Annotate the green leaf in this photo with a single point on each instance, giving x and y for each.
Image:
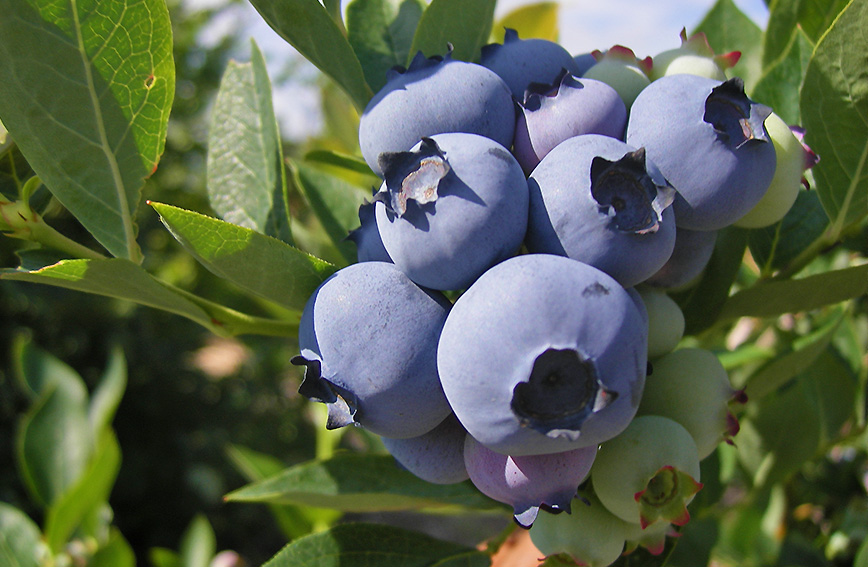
(784, 430)
(90, 491)
(537, 20)
(834, 103)
(466, 25)
(773, 298)
(309, 28)
(54, 443)
(781, 369)
(198, 544)
(245, 175)
(357, 483)
(775, 246)
(20, 541)
(116, 278)
(115, 553)
(782, 78)
(347, 162)
(163, 557)
(381, 33)
(37, 371)
(334, 202)
(728, 29)
(810, 17)
(294, 521)
(364, 545)
(702, 302)
(107, 396)
(85, 90)
(257, 263)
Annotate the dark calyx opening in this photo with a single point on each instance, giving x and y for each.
(626, 193)
(562, 392)
(412, 176)
(342, 404)
(737, 119)
(535, 92)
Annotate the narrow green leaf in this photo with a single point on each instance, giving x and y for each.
(364, 545)
(781, 80)
(834, 388)
(834, 103)
(20, 541)
(465, 25)
(537, 20)
(702, 302)
(729, 29)
(354, 164)
(90, 491)
(775, 246)
(294, 521)
(783, 368)
(107, 396)
(257, 263)
(198, 544)
(37, 370)
(54, 444)
(334, 202)
(774, 298)
(381, 33)
(309, 28)
(116, 278)
(245, 175)
(117, 552)
(85, 89)
(357, 483)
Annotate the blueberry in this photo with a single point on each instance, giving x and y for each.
(432, 96)
(369, 243)
(436, 456)
(451, 208)
(709, 140)
(520, 62)
(531, 482)
(552, 113)
(597, 200)
(690, 255)
(665, 321)
(543, 354)
(368, 338)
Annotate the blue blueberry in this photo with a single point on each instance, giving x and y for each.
(368, 339)
(543, 354)
(598, 200)
(451, 208)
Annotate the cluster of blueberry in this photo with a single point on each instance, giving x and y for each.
(544, 192)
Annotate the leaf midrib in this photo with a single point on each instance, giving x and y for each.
(126, 219)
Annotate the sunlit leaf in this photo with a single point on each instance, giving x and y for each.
(809, 17)
(246, 179)
(116, 278)
(381, 33)
(309, 28)
(85, 90)
(774, 298)
(537, 20)
(464, 25)
(198, 544)
(834, 103)
(257, 263)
